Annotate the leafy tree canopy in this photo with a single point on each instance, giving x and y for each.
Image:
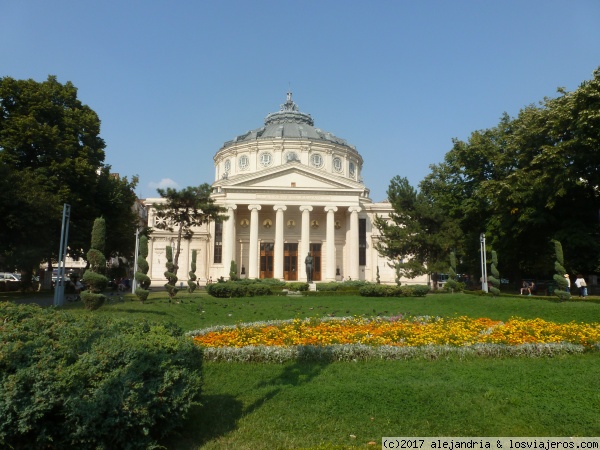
(51, 153)
(530, 179)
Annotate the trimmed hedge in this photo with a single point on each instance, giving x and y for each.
(86, 383)
(231, 289)
(379, 290)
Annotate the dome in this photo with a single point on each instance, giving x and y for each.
(289, 122)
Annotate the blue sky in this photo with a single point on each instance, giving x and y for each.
(173, 80)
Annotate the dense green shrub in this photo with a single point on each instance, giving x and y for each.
(192, 273)
(296, 286)
(420, 290)
(272, 282)
(327, 286)
(255, 290)
(379, 290)
(232, 289)
(93, 278)
(454, 286)
(85, 383)
(141, 277)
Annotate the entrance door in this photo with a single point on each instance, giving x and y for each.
(315, 251)
(290, 262)
(266, 259)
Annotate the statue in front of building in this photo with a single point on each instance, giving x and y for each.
(308, 261)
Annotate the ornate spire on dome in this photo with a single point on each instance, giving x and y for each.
(289, 113)
(289, 105)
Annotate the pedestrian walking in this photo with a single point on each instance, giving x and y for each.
(581, 285)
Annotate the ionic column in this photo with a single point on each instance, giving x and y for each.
(353, 267)
(253, 250)
(304, 240)
(278, 248)
(229, 237)
(330, 245)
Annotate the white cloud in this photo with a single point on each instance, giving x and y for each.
(163, 184)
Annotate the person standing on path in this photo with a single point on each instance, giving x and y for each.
(581, 285)
(568, 280)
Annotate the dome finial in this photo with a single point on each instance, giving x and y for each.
(289, 104)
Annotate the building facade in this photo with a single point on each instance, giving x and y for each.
(290, 189)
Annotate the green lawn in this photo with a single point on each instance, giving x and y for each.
(304, 405)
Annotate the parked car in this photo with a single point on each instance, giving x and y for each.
(9, 281)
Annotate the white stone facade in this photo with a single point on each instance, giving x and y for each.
(290, 189)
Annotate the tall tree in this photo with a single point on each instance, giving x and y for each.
(51, 153)
(417, 235)
(179, 212)
(531, 179)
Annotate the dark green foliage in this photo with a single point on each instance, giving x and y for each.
(378, 277)
(418, 234)
(51, 153)
(378, 290)
(141, 277)
(188, 208)
(233, 276)
(99, 235)
(97, 282)
(92, 301)
(192, 275)
(494, 279)
(96, 259)
(452, 285)
(88, 383)
(297, 286)
(233, 289)
(559, 277)
(93, 278)
(170, 274)
(530, 179)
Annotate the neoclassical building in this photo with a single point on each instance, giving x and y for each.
(289, 189)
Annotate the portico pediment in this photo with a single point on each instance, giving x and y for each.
(291, 175)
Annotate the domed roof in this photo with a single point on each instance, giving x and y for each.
(289, 122)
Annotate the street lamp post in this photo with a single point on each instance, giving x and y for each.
(484, 283)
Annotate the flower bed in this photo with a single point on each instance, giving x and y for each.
(386, 337)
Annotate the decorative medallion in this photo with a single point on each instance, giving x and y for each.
(337, 164)
(244, 223)
(316, 159)
(266, 159)
(243, 162)
(337, 225)
(314, 224)
(291, 156)
(267, 223)
(291, 223)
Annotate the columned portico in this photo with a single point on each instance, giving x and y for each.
(330, 243)
(304, 239)
(303, 190)
(229, 237)
(253, 251)
(278, 259)
(353, 244)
